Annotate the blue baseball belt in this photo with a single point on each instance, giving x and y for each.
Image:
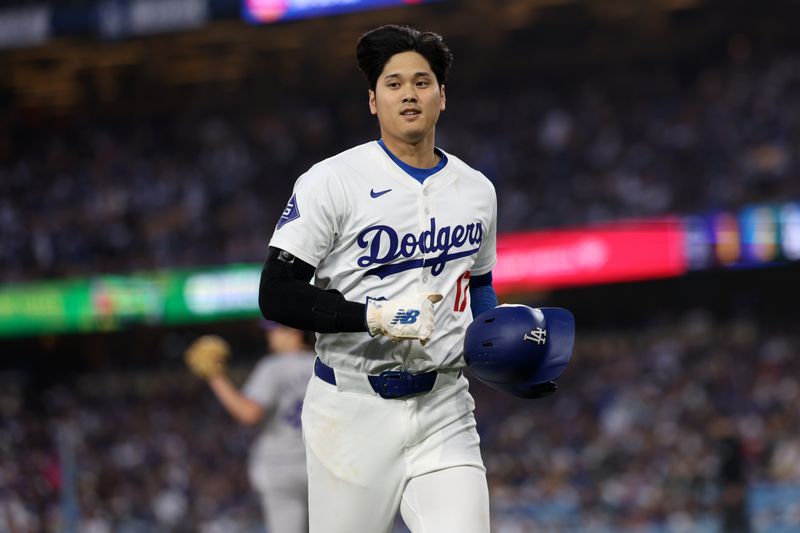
(389, 384)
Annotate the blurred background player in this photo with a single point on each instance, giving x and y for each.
(273, 397)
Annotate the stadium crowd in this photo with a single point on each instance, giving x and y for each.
(86, 195)
(631, 442)
(635, 440)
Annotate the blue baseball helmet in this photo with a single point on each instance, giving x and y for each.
(517, 349)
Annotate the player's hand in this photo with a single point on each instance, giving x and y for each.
(407, 317)
(206, 356)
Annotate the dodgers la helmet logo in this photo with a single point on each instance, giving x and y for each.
(538, 336)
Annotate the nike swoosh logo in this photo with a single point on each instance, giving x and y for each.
(379, 193)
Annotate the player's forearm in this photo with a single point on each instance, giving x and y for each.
(287, 296)
(482, 294)
(242, 408)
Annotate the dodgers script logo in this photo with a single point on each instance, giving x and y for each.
(376, 238)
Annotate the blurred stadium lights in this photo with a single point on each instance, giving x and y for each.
(528, 262)
(148, 44)
(269, 11)
(24, 26)
(24, 23)
(119, 20)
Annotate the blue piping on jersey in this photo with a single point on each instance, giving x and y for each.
(419, 174)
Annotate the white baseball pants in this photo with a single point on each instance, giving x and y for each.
(368, 456)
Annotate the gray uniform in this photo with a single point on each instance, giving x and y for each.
(277, 465)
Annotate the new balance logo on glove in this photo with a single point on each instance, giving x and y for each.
(404, 316)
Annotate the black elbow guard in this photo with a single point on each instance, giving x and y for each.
(326, 310)
(286, 296)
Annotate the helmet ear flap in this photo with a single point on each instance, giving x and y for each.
(514, 347)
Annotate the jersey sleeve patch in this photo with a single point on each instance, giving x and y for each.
(292, 212)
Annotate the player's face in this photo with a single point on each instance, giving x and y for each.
(407, 99)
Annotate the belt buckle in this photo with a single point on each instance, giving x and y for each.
(394, 384)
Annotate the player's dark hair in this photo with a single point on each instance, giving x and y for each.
(376, 47)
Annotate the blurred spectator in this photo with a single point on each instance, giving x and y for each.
(185, 190)
(626, 445)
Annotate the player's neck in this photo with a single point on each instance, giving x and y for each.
(417, 155)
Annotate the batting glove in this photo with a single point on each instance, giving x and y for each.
(408, 317)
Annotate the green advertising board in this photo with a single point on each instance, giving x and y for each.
(107, 303)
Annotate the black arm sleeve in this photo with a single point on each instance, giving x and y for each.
(286, 295)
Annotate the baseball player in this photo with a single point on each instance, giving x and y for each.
(389, 230)
(273, 397)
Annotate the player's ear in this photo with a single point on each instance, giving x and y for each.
(373, 109)
(442, 97)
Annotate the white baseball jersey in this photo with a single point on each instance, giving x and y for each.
(371, 230)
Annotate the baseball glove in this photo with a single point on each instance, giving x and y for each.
(206, 356)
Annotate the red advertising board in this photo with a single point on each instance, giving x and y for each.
(628, 251)
(262, 11)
